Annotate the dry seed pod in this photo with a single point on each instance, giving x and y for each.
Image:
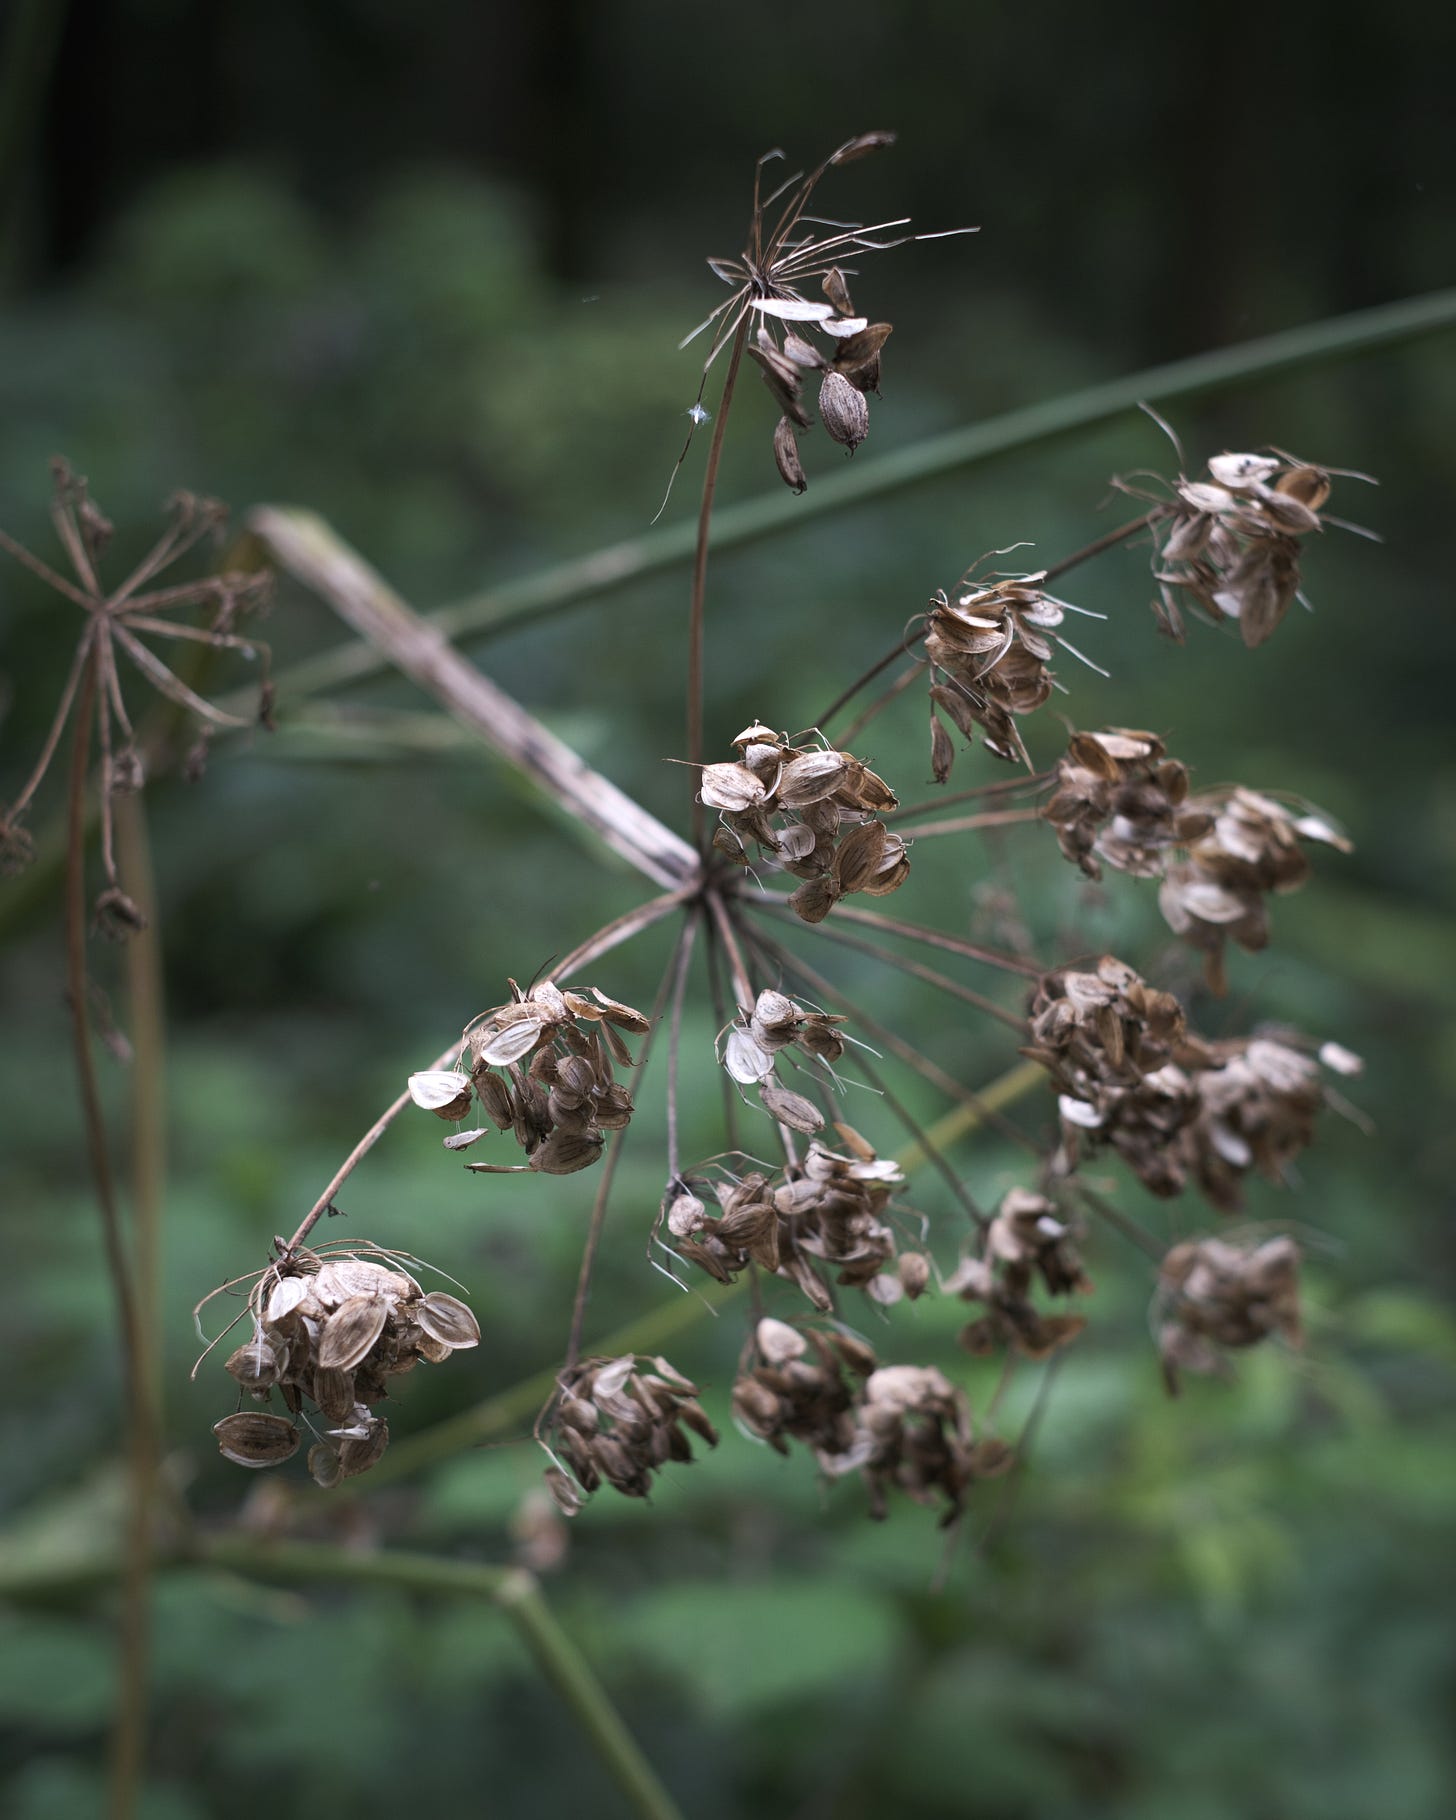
(791, 1109)
(448, 1321)
(350, 1332)
(256, 1440)
(843, 411)
(786, 456)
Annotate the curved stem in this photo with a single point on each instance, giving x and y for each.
(700, 573)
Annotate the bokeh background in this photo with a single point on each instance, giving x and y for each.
(424, 270)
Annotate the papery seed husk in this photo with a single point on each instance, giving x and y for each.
(786, 456)
(730, 787)
(814, 899)
(942, 750)
(863, 346)
(323, 1464)
(809, 778)
(791, 1109)
(859, 856)
(447, 1320)
(498, 1048)
(565, 1492)
(256, 1440)
(439, 1090)
(257, 1365)
(837, 291)
(564, 1152)
(351, 1331)
(843, 411)
(333, 1391)
(623, 1016)
(745, 1059)
(358, 1456)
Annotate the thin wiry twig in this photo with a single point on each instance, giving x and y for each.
(897, 1107)
(614, 1151)
(887, 957)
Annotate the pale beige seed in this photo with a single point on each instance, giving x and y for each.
(791, 1109)
(843, 411)
(323, 1464)
(448, 1320)
(351, 1331)
(258, 1365)
(255, 1440)
(859, 855)
(333, 1391)
(438, 1090)
(356, 1456)
(564, 1152)
(730, 787)
(809, 778)
(786, 456)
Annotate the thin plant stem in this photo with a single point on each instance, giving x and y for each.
(513, 1592)
(622, 929)
(877, 668)
(720, 1021)
(934, 805)
(598, 1220)
(497, 1415)
(921, 1064)
(881, 702)
(563, 587)
(969, 824)
(696, 613)
(888, 958)
(1109, 540)
(898, 1108)
(674, 1042)
(1121, 1222)
(938, 938)
(128, 1738)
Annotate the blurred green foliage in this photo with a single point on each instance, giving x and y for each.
(1224, 1605)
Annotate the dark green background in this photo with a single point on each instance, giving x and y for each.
(424, 269)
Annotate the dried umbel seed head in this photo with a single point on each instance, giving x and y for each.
(988, 651)
(784, 252)
(1217, 1294)
(801, 1384)
(825, 1214)
(1230, 545)
(1028, 1239)
(750, 1050)
(542, 1067)
(334, 1328)
(1257, 1098)
(619, 1421)
(1249, 847)
(1120, 799)
(811, 810)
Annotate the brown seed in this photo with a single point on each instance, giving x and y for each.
(446, 1319)
(255, 1440)
(350, 1332)
(564, 1152)
(791, 1109)
(843, 411)
(333, 1391)
(786, 456)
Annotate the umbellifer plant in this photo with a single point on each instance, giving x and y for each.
(792, 838)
